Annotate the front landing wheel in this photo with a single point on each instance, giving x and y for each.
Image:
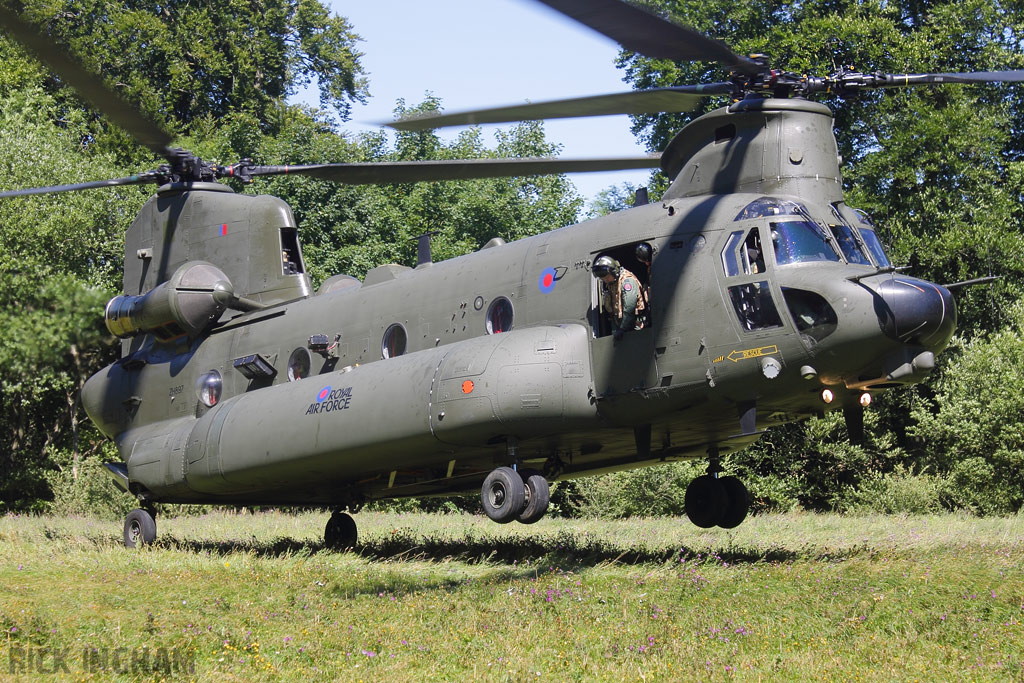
(139, 528)
(340, 533)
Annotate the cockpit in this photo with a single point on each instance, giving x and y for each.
(797, 238)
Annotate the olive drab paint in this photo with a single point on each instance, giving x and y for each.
(554, 388)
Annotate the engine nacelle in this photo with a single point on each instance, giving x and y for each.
(195, 296)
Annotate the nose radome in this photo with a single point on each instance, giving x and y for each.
(917, 312)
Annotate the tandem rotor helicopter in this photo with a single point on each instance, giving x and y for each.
(769, 300)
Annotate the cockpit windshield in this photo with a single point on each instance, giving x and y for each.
(801, 241)
(847, 241)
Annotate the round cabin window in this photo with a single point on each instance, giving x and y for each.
(209, 388)
(395, 339)
(499, 316)
(300, 364)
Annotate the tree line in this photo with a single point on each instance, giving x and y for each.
(940, 169)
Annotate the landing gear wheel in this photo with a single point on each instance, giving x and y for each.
(738, 502)
(503, 495)
(705, 501)
(538, 496)
(139, 528)
(340, 533)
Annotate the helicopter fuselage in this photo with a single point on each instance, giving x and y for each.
(765, 291)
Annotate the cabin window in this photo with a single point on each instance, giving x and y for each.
(299, 364)
(209, 387)
(499, 316)
(754, 306)
(395, 339)
(874, 246)
(800, 242)
(847, 241)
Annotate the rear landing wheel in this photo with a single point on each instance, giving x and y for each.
(503, 495)
(340, 533)
(139, 528)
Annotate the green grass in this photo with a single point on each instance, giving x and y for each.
(435, 597)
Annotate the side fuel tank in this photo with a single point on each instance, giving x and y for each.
(394, 413)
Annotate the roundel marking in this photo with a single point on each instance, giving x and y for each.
(547, 280)
(324, 393)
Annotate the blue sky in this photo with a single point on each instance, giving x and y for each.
(483, 53)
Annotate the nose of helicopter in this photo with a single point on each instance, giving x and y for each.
(916, 312)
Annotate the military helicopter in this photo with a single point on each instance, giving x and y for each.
(769, 300)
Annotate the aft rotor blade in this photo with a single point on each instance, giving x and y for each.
(655, 100)
(647, 34)
(105, 100)
(382, 173)
(74, 187)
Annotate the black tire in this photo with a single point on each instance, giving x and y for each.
(738, 502)
(503, 495)
(538, 496)
(340, 532)
(705, 501)
(139, 528)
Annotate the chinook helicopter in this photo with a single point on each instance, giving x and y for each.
(769, 300)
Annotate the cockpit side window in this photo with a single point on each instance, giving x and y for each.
(874, 246)
(751, 254)
(743, 255)
(801, 241)
(754, 306)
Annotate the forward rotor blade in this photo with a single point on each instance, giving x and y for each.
(655, 100)
(383, 173)
(647, 34)
(895, 80)
(91, 185)
(91, 88)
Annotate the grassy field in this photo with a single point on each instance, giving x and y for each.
(453, 597)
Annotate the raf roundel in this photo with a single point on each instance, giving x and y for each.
(547, 280)
(324, 393)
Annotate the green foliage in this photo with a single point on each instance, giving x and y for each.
(650, 491)
(81, 486)
(973, 427)
(181, 61)
(612, 199)
(898, 492)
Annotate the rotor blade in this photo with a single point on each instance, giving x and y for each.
(91, 88)
(382, 173)
(130, 180)
(647, 34)
(655, 100)
(974, 77)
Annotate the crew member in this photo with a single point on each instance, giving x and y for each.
(622, 296)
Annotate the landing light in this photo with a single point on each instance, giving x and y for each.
(827, 396)
(865, 399)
